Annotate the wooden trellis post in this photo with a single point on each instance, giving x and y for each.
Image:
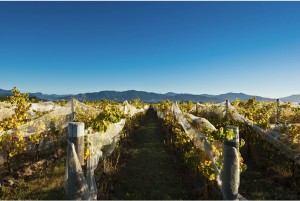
(76, 136)
(76, 139)
(231, 167)
(277, 109)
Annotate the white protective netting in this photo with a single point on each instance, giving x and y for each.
(7, 109)
(85, 187)
(271, 136)
(295, 104)
(74, 175)
(81, 108)
(159, 113)
(58, 118)
(207, 105)
(101, 144)
(215, 108)
(42, 107)
(201, 122)
(6, 112)
(200, 140)
(61, 116)
(131, 110)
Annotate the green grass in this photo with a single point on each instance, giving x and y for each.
(267, 179)
(255, 185)
(45, 184)
(152, 172)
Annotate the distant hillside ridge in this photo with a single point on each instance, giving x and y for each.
(292, 98)
(150, 96)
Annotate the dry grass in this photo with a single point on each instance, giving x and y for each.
(45, 183)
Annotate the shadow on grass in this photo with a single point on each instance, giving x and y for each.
(152, 172)
(47, 184)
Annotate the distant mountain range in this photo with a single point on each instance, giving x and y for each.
(38, 95)
(292, 98)
(151, 97)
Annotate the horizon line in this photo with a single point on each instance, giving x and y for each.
(111, 90)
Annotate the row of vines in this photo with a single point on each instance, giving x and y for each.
(257, 155)
(20, 145)
(271, 165)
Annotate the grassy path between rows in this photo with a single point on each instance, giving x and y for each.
(151, 172)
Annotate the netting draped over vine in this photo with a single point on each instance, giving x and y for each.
(202, 122)
(271, 136)
(295, 104)
(131, 110)
(198, 138)
(81, 108)
(58, 118)
(217, 108)
(75, 175)
(7, 109)
(85, 187)
(161, 114)
(5, 112)
(100, 144)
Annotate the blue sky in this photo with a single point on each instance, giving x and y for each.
(184, 47)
